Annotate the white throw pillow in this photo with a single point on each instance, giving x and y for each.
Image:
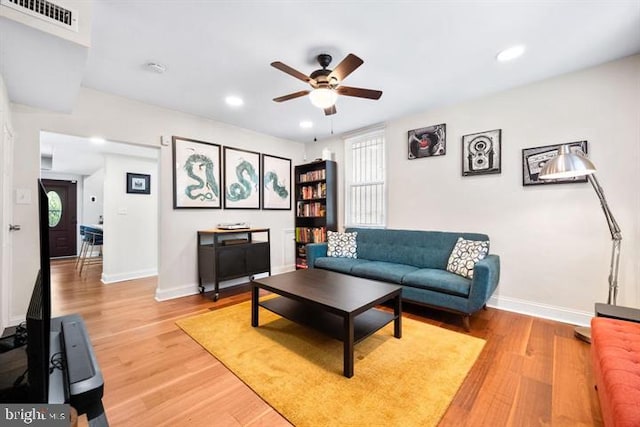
(342, 245)
(464, 256)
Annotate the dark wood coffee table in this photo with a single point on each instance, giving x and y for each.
(339, 305)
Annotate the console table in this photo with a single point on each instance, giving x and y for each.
(230, 254)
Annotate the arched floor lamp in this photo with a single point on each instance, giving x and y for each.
(568, 164)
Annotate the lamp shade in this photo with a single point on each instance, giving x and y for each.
(567, 164)
(323, 97)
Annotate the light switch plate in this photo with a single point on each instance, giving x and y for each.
(23, 196)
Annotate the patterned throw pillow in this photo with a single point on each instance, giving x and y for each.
(464, 256)
(342, 245)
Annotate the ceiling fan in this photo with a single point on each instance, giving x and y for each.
(326, 83)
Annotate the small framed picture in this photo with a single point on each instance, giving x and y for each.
(241, 179)
(534, 159)
(481, 153)
(276, 182)
(138, 183)
(428, 142)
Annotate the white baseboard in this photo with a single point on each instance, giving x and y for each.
(16, 320)
(178, 292)
(192, 289)
(121, 277)
(516, 305)
(545, 311)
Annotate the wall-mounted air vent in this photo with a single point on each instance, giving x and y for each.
(46, 10)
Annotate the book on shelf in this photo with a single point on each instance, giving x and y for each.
(317, 191)
(302, 251)
(301, 262)
(310, 209)
(310, 235)
(313, 175)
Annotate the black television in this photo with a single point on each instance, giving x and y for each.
(38, 317)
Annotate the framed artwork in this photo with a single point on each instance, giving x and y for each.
(138, 183)
(482, 153)
(276, 182)
(534, 159)
(428, 142)
(241, 179)
(196, 174)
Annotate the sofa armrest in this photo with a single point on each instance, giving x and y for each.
(315, 250)
(486, 275)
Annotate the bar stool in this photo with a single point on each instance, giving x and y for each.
(82, 246)
(92, 237)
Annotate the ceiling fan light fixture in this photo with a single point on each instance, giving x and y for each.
(323, 97)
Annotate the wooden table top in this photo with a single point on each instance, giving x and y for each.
(336, 290)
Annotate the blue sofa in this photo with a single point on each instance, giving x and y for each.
(417, 260)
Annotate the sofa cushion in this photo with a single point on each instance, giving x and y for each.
(342, 245)
(422, 249)
(465, 254)
(342, 265)
(378, 270)
(615, 353)
(438, 280)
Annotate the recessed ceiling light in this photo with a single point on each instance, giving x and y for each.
(97, 140)
(306, 124)
(156, 67)
(510, 53)
(234, 101)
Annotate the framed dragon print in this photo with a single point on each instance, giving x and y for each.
(196, 174)
(276, 182)
(241, 179)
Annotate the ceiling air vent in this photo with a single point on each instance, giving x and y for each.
(46, 10)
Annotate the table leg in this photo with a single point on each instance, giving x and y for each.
(348, 346)
(255, 292)
(397, 312)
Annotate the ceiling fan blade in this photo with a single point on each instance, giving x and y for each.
(291, 96)
(346, 67)
(293, 72)
(329, 111)
(359, 92)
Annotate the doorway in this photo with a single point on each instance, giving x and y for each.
(100, 167)
(63, 218)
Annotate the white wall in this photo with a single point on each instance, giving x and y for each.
(93, 188)
(130, 221)
(553, 240)
(119, 119)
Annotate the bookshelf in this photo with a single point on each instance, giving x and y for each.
(316, 196)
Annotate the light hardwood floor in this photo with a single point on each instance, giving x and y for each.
(531, 371)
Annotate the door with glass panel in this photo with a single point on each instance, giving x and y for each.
(62, 217)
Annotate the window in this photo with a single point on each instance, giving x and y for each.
(55, 208)
(365, 172)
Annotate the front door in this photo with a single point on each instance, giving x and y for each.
(62, 217)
